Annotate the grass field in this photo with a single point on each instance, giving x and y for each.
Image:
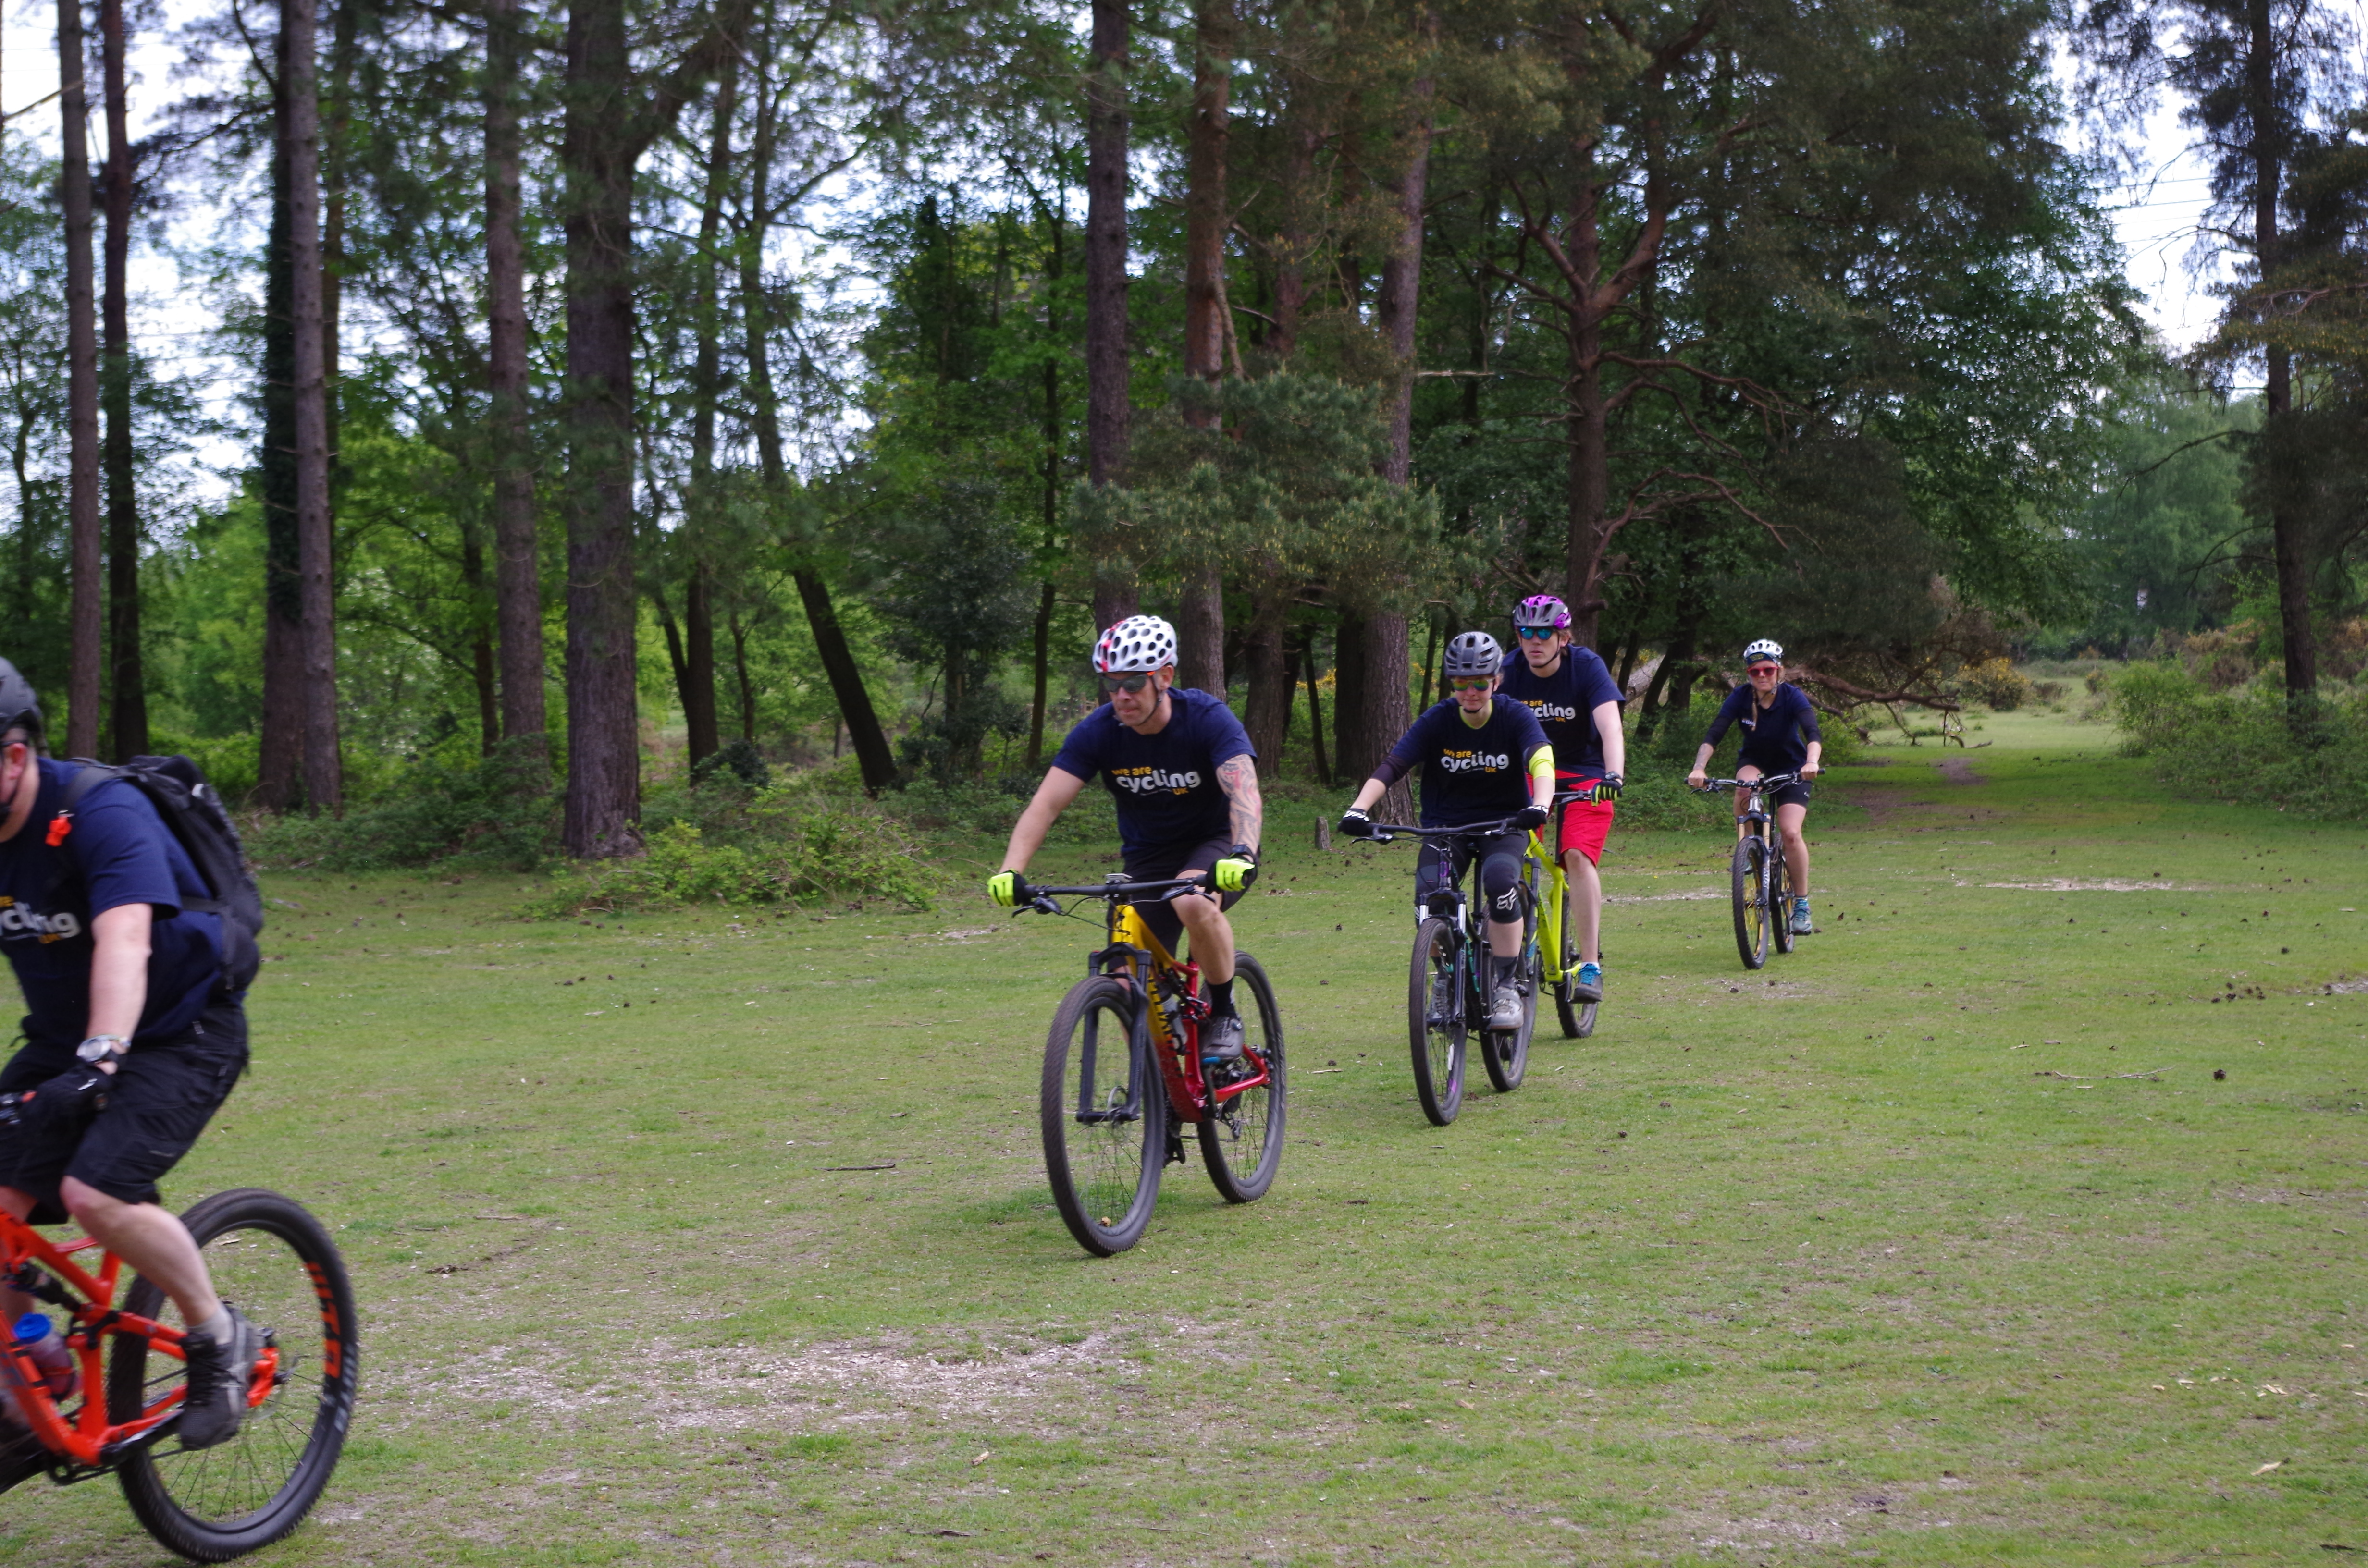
(1940, 1241)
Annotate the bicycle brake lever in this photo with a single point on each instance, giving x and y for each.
(1043, 905)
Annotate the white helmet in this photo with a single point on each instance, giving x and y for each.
(1766, 648)
(1138, 642)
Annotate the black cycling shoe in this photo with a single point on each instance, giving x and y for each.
(1220, 1038)
(219, 1375)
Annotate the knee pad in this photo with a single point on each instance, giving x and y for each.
(1501, 880)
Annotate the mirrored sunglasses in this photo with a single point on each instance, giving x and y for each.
(1534, 633)
(1128, 684)
(1470, 683)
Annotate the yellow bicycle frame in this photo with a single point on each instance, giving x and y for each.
(1549, 907)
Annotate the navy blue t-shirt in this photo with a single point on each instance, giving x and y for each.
(1470, 775)
(1564, 703)
(1166, 784)
(118, 851)
(1775, 738)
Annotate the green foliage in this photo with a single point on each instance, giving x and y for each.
(471, 813)
(1997, 682)
(794, 850)
(2247, 744)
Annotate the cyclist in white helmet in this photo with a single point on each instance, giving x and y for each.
(1780, 730)
(1182, 769)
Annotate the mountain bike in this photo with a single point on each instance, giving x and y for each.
(274, 1262)
(1762, 882)
(1123, 1075)
(1447, 991)
(1558, 948)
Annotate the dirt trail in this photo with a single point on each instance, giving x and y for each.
(1960, 770)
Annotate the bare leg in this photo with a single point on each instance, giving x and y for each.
(1504, 938)
(1796, 849)
(1586, 903)
(1211, 934)
(152, 1241)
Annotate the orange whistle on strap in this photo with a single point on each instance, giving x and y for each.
(59, 825)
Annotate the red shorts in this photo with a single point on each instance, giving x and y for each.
(1584, 823)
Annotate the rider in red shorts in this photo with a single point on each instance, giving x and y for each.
(1577, 704)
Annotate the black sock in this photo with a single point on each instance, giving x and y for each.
(1221, 998)
(1501, 969)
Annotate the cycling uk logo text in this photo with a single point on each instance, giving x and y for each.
(17, 920)
(1474, 761)
(1548, 711)
(1150, 780)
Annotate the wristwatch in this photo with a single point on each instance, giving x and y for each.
(99, 1046)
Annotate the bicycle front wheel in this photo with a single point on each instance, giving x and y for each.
(1435, 1022)
(1750, 902)
(1779, 897)
(275, 1263)
(1103, 1110)
(1241, 1140)
(1506, 1053)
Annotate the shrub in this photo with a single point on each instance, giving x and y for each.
(2243, 746)
(1997, 682)
(803, 852)
(477, 814)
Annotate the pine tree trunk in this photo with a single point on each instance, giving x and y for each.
(2289, 544)
(1041, 651)
(872, 756)
(1323, 773)
(280, 752)
(699, 705)
(1383, 698)
(1107, 406)
(481, 648)
(1200, 596)
(1267, 711)
(323, 782)
(127, 685)
(84, 651)
(603, 714)
(517, 559)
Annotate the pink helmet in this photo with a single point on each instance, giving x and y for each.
(1542, 609)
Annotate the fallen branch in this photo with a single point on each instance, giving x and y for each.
(2152, 1073)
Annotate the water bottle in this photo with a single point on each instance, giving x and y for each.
(46, 1348)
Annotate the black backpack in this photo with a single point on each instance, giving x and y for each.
(177, 786)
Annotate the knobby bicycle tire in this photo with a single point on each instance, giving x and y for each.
(275, 1262)
(1779, 896)
(1750, 902)
(1105, 1130)
(1438, 977)
(1506, 1053)
(1242, 1143)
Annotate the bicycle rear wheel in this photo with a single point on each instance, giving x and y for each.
(1779, 897)
(1750, 902)
(1103, 1110)
(1242, 1142)
(275, 1263)
(1435, 1023)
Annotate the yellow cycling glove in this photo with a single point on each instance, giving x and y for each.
(1238, 871)
(1004, 887)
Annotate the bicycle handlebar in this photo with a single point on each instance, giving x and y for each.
(1765, 781)
(1383, 832)
(1114, 888)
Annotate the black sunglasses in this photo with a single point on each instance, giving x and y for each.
(1128, 684)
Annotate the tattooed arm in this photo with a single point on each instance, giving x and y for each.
(1237, 777)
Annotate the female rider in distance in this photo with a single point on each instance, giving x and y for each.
(1780, 735)
(1577, 704)
(1482, 761)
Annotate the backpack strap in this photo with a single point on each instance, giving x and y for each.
(92, 776)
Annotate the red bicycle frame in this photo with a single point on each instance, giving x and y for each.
(40, 1269)
(1136, 957)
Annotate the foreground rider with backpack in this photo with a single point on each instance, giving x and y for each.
(134, 977)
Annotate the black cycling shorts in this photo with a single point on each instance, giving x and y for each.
(163, 1094)
(1500, 871)
(1158, 914)
(1796, 793)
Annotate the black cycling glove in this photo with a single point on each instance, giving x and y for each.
(1529, 817)
(1356, 823)
(1610, 787)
